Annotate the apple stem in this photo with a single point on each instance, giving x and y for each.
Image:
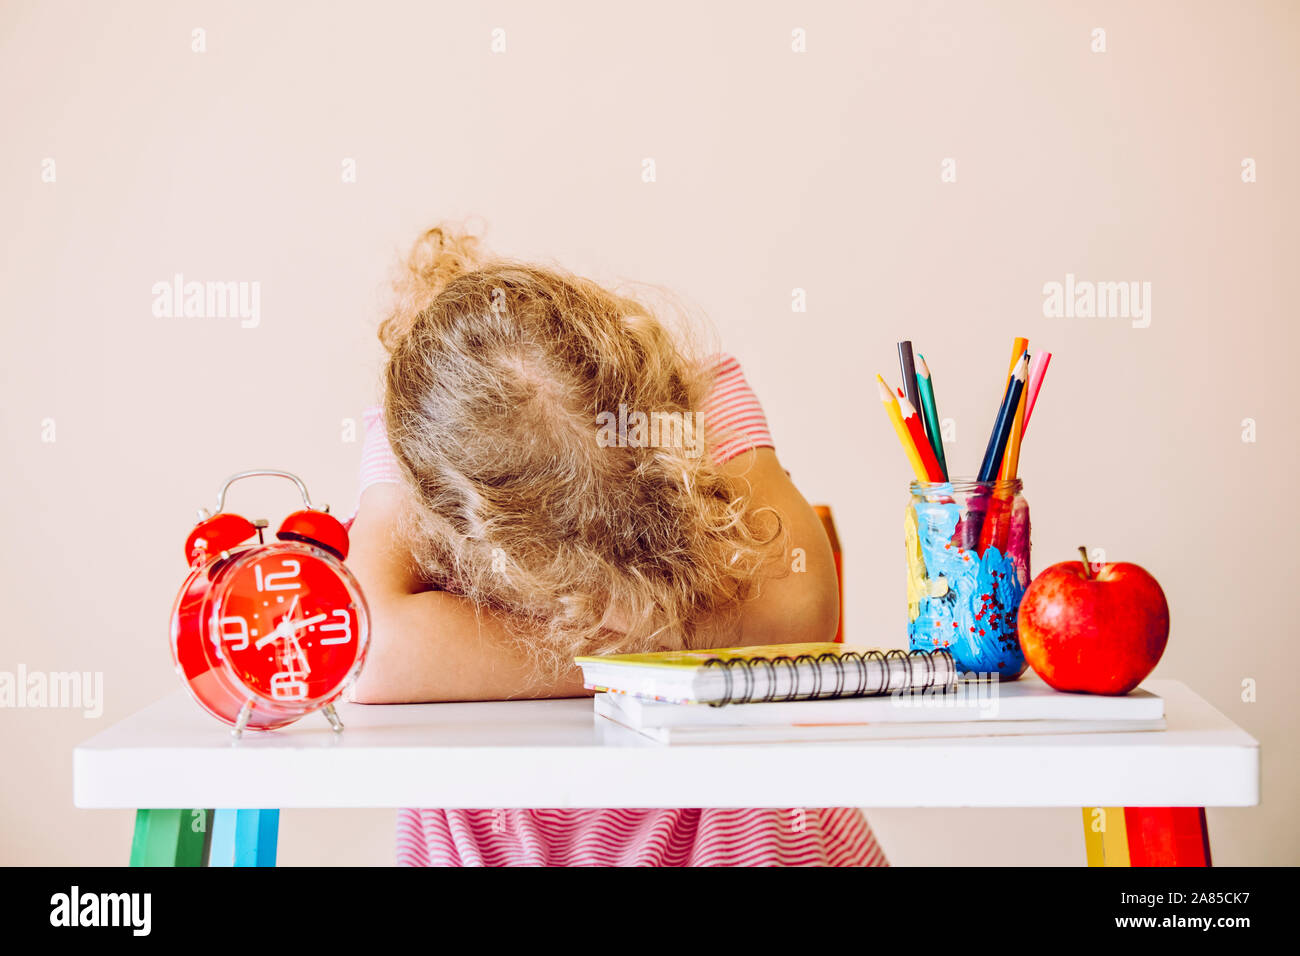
(1087, 566)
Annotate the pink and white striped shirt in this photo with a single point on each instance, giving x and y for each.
(835, 836)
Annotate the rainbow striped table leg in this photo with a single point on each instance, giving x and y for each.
(244, 838)
(171, 837)
(1146, 836)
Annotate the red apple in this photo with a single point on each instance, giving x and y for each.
(1099, 633)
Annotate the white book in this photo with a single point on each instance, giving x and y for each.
(974, 708)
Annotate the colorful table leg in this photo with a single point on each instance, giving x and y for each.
(171, 837)
(1167, 836)
(244, 838)
(1146, 836)
(1105, 837)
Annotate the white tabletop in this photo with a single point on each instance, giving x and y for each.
(557, 753)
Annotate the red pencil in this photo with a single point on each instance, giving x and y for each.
(917, 431)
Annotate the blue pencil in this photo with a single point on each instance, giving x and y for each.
(1002, 426)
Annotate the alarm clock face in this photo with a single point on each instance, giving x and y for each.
(290, 621)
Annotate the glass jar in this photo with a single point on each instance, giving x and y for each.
(967, 569)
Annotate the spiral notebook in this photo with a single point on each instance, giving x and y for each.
(774, 672)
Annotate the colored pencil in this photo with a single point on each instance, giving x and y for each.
(908, 369)
(1037, 370)
(1011, 458)
(1018, 348)
(913, 423)
(996, 527)
(930, 410)
(997, 522)
(1002, 424)
(904, 437)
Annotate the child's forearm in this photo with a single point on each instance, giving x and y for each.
(436, 646)
(430, 645)
(799, 603)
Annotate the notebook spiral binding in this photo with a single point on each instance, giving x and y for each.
(861, 660)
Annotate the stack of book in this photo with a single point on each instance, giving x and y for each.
(796, 692)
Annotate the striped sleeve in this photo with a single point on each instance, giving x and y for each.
(378, 464)
(732, 413)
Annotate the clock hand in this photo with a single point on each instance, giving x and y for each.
(292, 638)
(302, 657)
(272, 636)
(299, 625)
(286, 629)
(279, 628)
(291, 655)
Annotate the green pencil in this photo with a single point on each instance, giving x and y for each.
(931, 413)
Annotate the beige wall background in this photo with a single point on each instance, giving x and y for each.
(776, 171)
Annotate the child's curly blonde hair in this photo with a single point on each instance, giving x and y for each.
(496, 376)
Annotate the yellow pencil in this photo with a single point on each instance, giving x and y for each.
(1019, 345)
(904, 437)
(1011, 458)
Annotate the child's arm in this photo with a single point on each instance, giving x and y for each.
(432, 646)
(794, 607)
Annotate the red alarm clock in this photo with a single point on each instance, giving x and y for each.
(265, 633)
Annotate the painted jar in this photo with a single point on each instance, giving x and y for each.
(967, 568)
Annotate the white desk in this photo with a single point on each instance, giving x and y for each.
(556, 753)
